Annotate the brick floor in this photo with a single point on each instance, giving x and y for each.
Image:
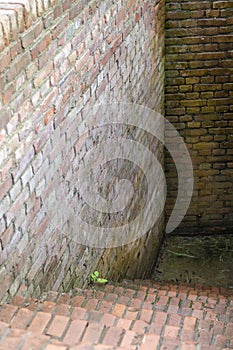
(136, 315)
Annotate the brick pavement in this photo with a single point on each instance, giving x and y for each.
(133, 315)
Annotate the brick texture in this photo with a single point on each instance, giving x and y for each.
(199, 104)
(167, 329)
(56, 59)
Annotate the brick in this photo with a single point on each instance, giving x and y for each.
(17, 65)
(75, 10)
(5, 187)
(129, 338)
(91, 304)
(140, 326)
(43, 74)
(229, 329)
(13, 339)
(7, 312)
(112, 336)
(22, 319)
(59, 27)
(75, 332)
(108, 320)
(28, 38)
(171, 332)
(124, 323)
(39, 322)
(118, 310)
(150, 341)
(189, 322)
(93, 333)
(58, 326)
(146, 315)
(34, 341)
(3, 328)
(56, 347)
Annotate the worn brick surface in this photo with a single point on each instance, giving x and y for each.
(58, 58)
(96, 330)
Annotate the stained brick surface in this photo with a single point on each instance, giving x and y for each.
(199, 104)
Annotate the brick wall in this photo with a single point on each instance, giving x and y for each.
(199, 99)
(57, 58)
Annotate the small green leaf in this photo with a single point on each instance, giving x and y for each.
(96, 279)
(101, 280)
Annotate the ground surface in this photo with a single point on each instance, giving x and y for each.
(187, 308)
(134, 315)
(207, 260)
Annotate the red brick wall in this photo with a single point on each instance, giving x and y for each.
(199, 103)
(55, 58)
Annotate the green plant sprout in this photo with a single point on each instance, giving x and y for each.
(96, 279)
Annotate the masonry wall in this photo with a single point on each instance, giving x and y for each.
(57, 59)
(199, 103)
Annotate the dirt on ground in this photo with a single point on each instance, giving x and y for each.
(206, 260)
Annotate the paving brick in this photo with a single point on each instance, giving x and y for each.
(78, 313)
(56, 347)
(35, 341)
(94, 316)
(124, 300)
(205, 337)
(7, 312)
(77, 301)
(39, 322)
(14, 339)
(189, 346)
(189, 322)
(123, 323)
(174, 320)
(118, 310)
(229, 329)
(17, 300)
(131, 315)
(129, 338)
(111, 297)
(169, 344)
(187, 335)
(221, 341)
(47, 306)
(150, 341)
(75, 331)
(62, 310)
(140, 326)
(105, 306)
(91, 304)
(58, 326)
(22, 319)
(146, 315)
(171, 332)
(93, 333)
(3, 328)
(108, 320)
(113, 336)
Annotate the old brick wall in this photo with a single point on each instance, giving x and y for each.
(199, 103)
(57, 57)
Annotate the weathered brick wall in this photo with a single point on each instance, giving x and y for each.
(199, 102)
(57, 57)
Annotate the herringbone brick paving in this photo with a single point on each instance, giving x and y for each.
(134, 315)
